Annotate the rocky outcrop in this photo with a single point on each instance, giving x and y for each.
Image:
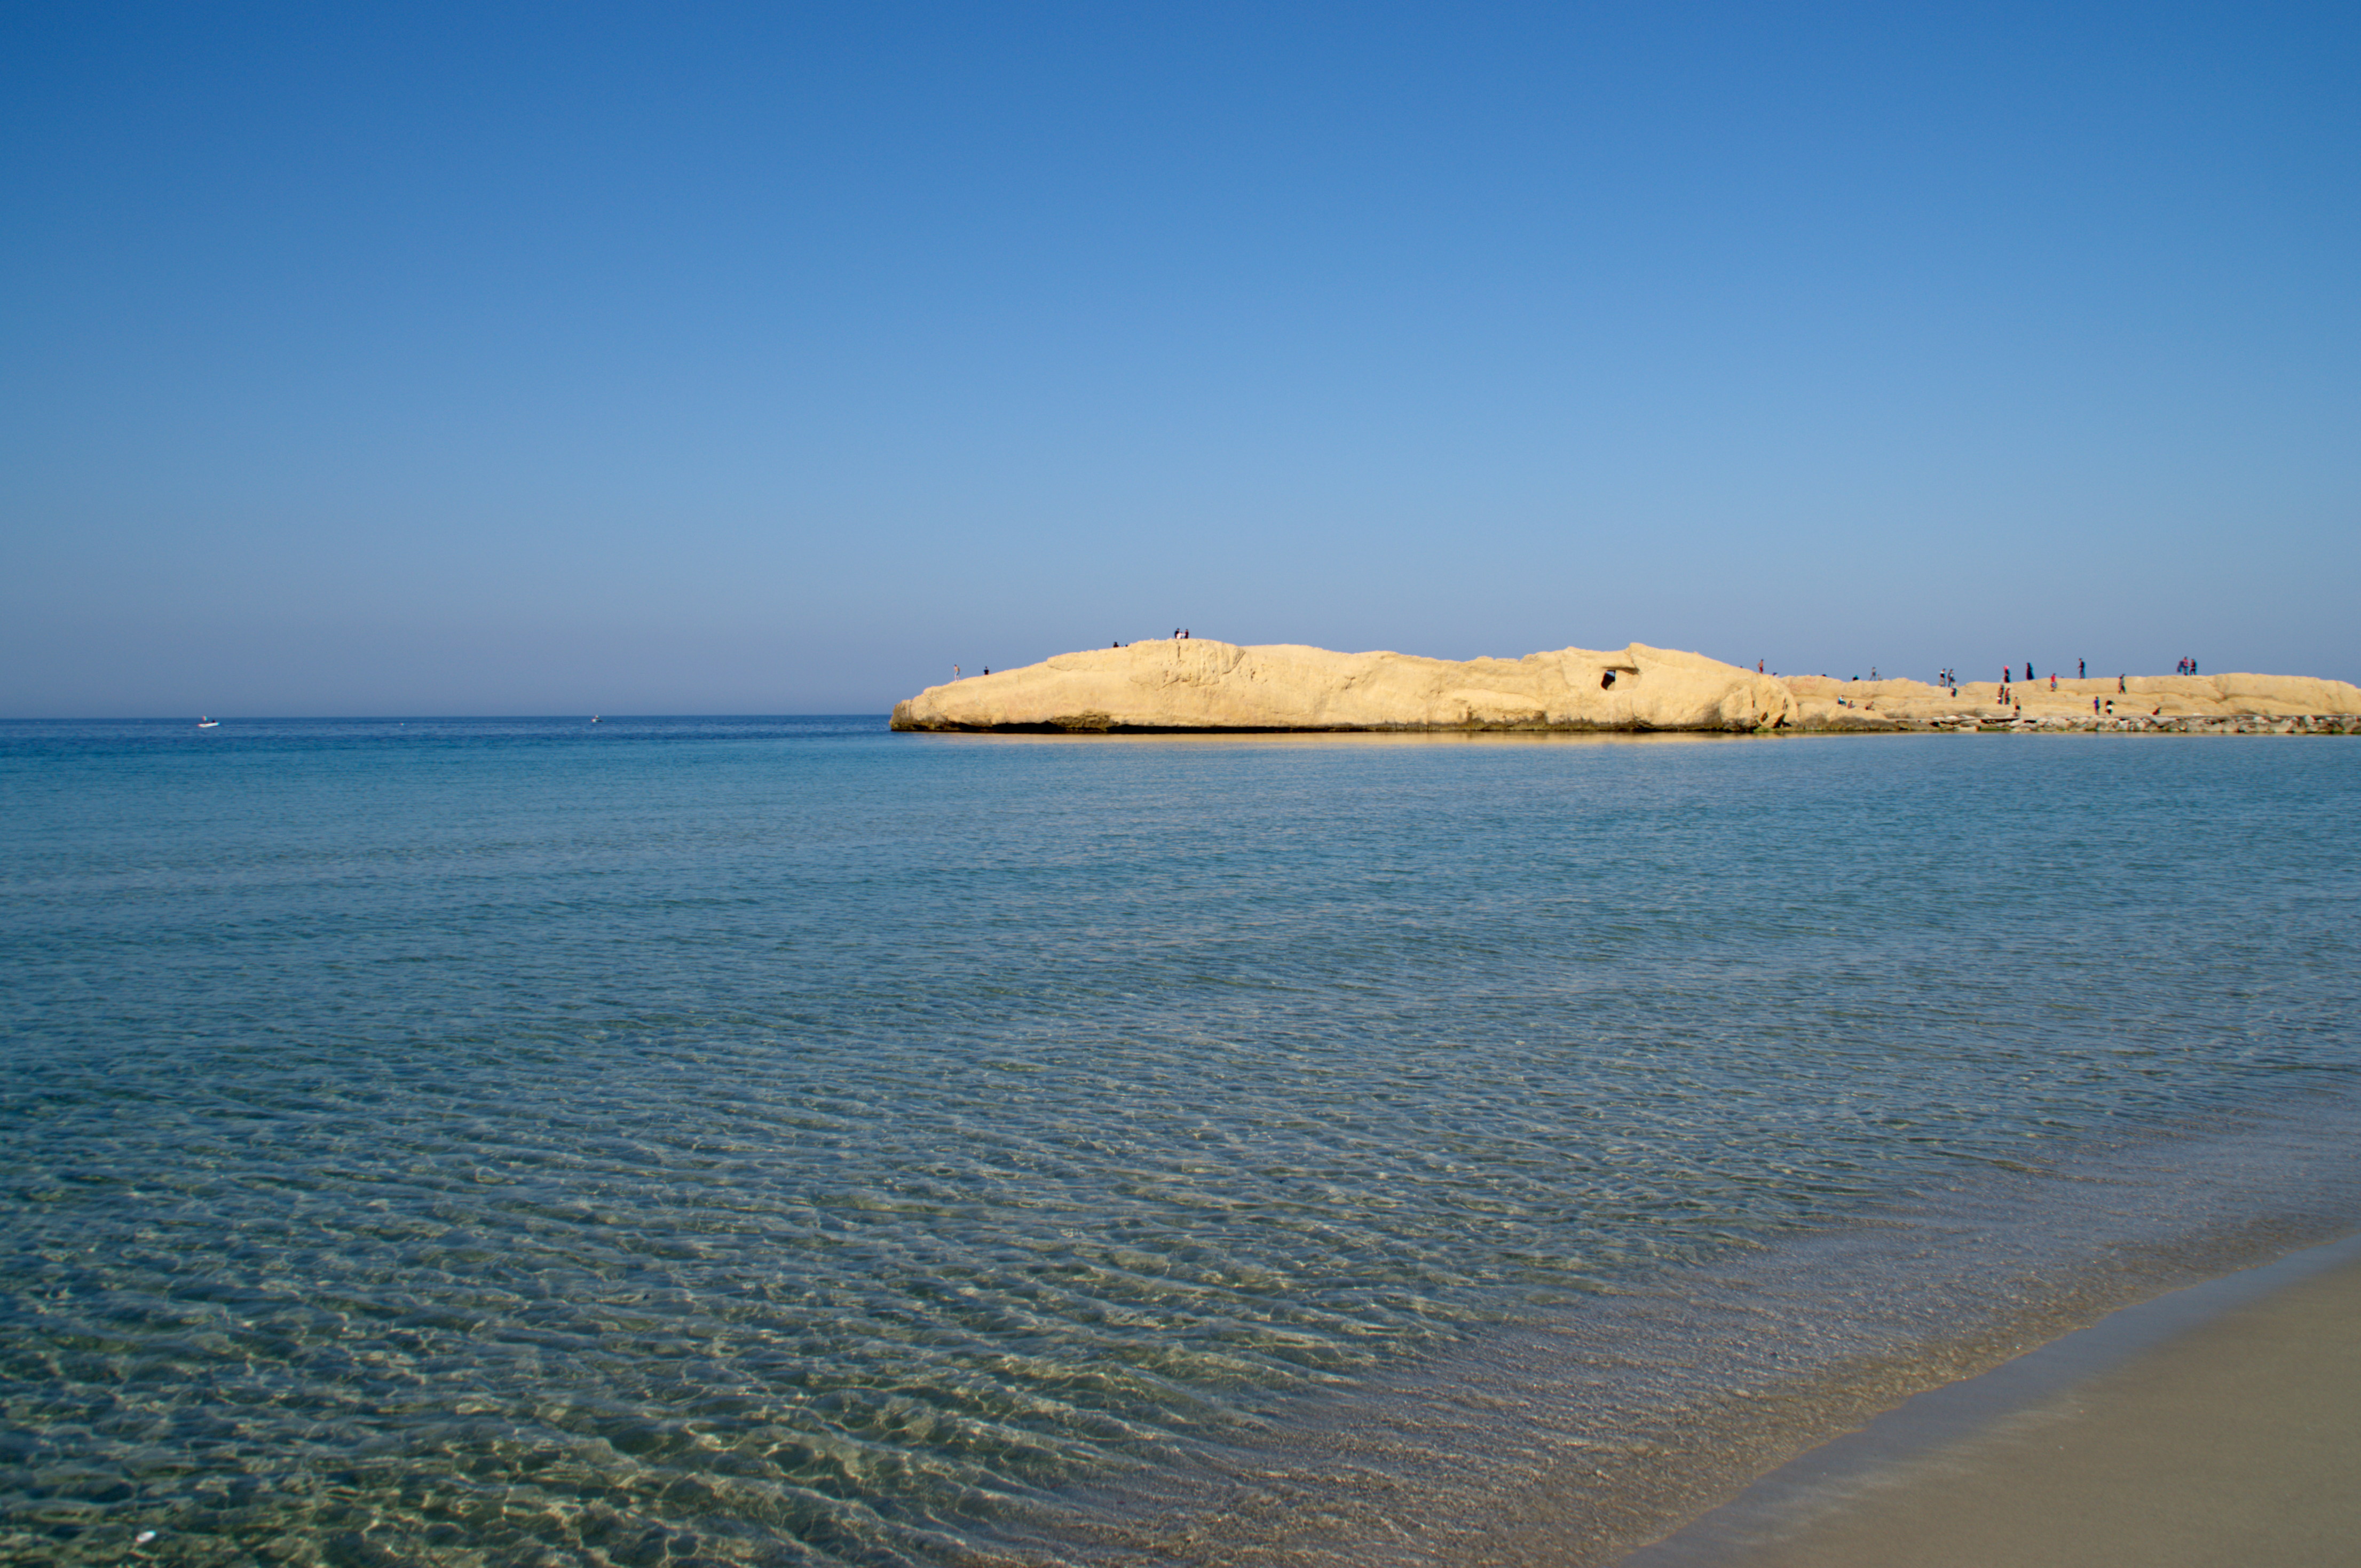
(1189, 683)
(1185, 684)
(2239, 704)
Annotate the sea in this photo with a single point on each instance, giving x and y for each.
(781, 1141)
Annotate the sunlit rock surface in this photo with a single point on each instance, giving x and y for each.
(2182, 704)
(1181, 683)
(1197, 684)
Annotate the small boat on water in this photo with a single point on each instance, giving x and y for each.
(204, 723)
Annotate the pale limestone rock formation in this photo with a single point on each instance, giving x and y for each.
(1202, 685)
(1825, 704)
(1197, 684)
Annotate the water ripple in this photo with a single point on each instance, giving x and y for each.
(761, 1144)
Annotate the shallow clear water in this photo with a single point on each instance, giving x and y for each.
(784, 1141)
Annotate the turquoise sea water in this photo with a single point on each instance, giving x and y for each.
(785, 1142)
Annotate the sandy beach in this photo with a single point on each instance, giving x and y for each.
(2217, 1425)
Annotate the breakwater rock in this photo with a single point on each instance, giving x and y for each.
(1192, 684)
(1188, 683)
(2175, 705)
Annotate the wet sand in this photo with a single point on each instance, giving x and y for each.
(2218, 1425)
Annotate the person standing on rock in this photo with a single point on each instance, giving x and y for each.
(2081, 669)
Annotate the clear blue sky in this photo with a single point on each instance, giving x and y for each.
(375, 359)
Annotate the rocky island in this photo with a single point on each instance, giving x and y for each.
(1180, 684)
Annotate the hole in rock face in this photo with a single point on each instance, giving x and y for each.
(1607, 680)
